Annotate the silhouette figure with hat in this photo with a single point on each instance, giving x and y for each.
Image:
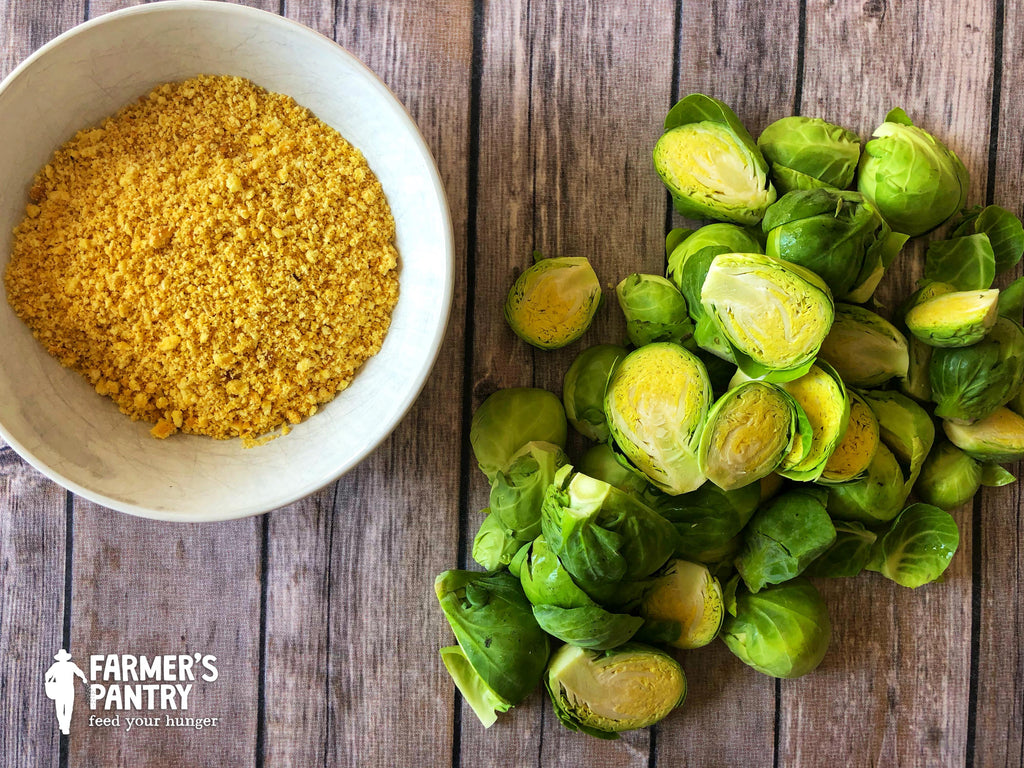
(60, 686)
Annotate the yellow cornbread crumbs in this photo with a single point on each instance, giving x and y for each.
(212, 258)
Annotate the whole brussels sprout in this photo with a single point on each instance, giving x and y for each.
(683, 606)
(782, 631)
(913, 179)
(710, 163)
(583, 389)
(906, 428)
(865, 349)
(808, 153)
(552, 303)
(656, 402)
(654, 308)
(509, 419)
(918, 546)
(502, 651)
(838, 235)
(954, 318)
(708, 519)
(849, 553)
(949, 477)
(601, 463)
(999, 437)
(773, 314)
(605, 693)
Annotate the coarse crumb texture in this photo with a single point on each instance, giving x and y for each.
(213, 258)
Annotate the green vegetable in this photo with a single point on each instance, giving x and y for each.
(552, 303)
(865, 349)
(656, 402)
(509, 419)
(999, 437)
(748, 432)
(911, 177)
(502, 651)
(683, 606)
(784, 537)
(782, 631)
(838, 235)
(855, 451)
(601, 463)
(708, 519)
(849, 553)
(807, 152)
(710, 163)
(1003, 229)
(655, 310)
(969, 383)
(949, 477)
(967, 263)
(823, 397)
(877, 497)
(1011, 300)
(906, 428)
(918, 546)
(773, 314)
(955, 319)
(583, 389)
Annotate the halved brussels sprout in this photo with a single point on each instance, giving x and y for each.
(710, 163)
(877, 497)
(583, 389)
(825, 400)
(773, 314)
(654, 308)
(949, 477)
(849, 553)
(782, 631)
(865, 349)
(999, 437)
(748, 432)
(968, 383)
(913, 179)
(918, 546)
(605, 693)
(509, 419)
(502, 651)
(683, 606)
(807, 153)
(708, 519)
(784, 537)
(837, 235)
(852, 457)
(656, 402)
(552, 303)
(565, 611)
(1003, 229)
(955, 319)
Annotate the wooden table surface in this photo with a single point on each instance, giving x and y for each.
(541, 115)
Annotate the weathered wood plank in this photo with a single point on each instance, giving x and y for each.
(999, 701)
(900, 658)
(569, 111)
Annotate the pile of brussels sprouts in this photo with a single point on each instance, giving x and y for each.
(765, 424)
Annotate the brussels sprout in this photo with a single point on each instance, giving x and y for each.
(1004, 230)
(748, 432)
(600, 534)
(967, 263)
(849, 553)
(552, 303)
(683, 606)
(509, 419)
(601, 463)
(782, 631)
(917, 547)
(949, 477)
(837, 235)
(710, 163)
(913, 179)
(807, 152)
(956, 319)
(784, 537)
(916, 383)
(583, 389)
(1011, 300)
(999, 437)
(875, 498)
(854, 453)
(605, 693)
(564, 610)
(513, 518)
(906, 428)
(502, 651)
(968, 383)
(656, 402)
(994, 476)
(654, 308)
(824, 399)
(708, 519)
(773, 314)
(865, 349)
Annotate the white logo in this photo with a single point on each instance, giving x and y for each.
(60, 686)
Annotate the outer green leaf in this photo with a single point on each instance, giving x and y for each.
(918, 546)
(968, 263)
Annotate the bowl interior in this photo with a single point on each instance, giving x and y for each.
(53, 417)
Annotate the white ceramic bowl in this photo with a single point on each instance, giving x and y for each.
(54, 419)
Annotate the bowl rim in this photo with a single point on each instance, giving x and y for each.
(448, 279)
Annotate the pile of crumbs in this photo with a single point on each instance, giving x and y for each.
(213, 258)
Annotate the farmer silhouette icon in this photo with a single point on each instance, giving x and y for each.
(60, 686)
